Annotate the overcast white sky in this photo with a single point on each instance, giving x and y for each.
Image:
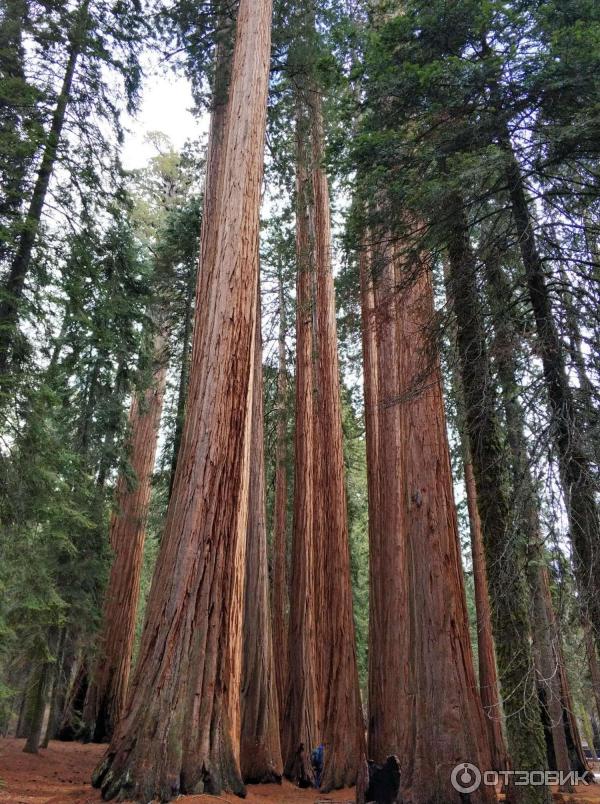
(166, 104)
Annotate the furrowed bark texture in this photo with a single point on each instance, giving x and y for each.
(260, 752)
(424, 705)
(337, 707)
(107, 691)
(505, 552)
(280, 588)
(488, 674)
(577, 478)
(342, 722)
(301, 718)
(14, 285)
(181, 727)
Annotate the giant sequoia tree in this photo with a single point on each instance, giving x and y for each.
(190, 655)
(424, 675)
(323, 699)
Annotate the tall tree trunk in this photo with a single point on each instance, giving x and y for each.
(107, 690)
(280, 589)
(14, 285)
(505, 551)
(342, 722)
(301, 717)
(486, 650)
(526, 505)
(578, 482)
(423, 703)
(181, 727)
(260, 753)
(184, 373)
(488, 674)
(388, 594)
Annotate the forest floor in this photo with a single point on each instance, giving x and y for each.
(61, 774)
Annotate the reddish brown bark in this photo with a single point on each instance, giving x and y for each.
(107, 691)
(342, 722)
(260, 751)
(488, 674)
(388, 593)
(280, 591)
(180, 731)
(300, 720)
(336, 709)
(424, 705)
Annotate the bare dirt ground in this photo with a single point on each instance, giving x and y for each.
(61, 774)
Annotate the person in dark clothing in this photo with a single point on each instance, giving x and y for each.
(316, 759)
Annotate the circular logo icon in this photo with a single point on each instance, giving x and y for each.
(465, 778)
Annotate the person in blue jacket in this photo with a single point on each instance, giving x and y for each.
(316, 759)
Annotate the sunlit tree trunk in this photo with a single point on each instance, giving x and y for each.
(107, 690)
(423, 702)
(181, 728)
(280, 590)
(300, 719)
(342, 722)
(260, 752)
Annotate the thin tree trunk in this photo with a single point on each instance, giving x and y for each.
(488, 674)
(423, 704)
(594, 664)
(15, 282)
(280, 589)
(183, 374)
(301, 717)
(107, 691)
(525, 503)
(486, 650)
(55, 688)
(505, 551)
(180, 731)
(578, 482)
(260, 751)
(370, 339)
(38, 709)
(70, 722)
(342, 722)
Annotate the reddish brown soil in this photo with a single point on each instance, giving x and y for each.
(60, 774)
